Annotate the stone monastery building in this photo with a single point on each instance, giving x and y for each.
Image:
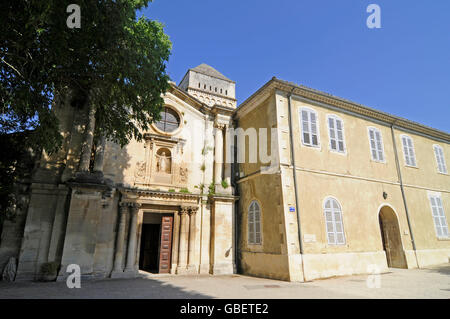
(346, 190)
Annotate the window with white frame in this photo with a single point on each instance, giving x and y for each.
(376, 144)
(440, 222)
(310, 131)
(336, 132)
(254, 224)
(408, 150)
(440, 159)
(333, 221)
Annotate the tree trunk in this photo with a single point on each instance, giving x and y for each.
(88, 139)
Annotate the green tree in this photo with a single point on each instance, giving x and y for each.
(115, 64)
(113, 67)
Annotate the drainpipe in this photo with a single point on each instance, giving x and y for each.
(294, 173)
(399, 173)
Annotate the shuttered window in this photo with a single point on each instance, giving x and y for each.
(336, 131)
(408, 150)
(310, 131)
(334, 223)
(254, 224)
(440, 222)
(376, 144)
(440, 159)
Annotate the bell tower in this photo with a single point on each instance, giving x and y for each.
(209, 86)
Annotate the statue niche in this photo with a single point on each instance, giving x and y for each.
(163, 161)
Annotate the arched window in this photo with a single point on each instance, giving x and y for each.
(333, 221)
(170, 120)
(254, 224)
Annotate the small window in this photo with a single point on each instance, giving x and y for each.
(220, 91)
(215, 89)
(376, 144)
(336, 131)
(226, 92)
(210, 88)
(408, 151)
(204, 86)
(334, 223)
(198, 84)
(254, 224)
(440, 222)
(310, 132)
(440, 159)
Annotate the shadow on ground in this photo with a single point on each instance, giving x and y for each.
(102, 289)
(442, 269)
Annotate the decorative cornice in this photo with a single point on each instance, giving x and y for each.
(328, 99)
(145, 193)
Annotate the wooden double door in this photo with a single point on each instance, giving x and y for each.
(156, 246)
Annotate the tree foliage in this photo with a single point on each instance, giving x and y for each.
(115, 62)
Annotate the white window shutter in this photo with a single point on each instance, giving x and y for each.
(336, 134)
(334, 223)
(438, 215)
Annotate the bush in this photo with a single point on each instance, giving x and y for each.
(225, 184)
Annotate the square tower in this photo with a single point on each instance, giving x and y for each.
(209, 86)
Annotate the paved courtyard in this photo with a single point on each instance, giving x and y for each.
(433, 282)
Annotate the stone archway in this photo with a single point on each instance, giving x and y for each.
(391, 237)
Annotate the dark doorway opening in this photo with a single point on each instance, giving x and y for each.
(150, 246)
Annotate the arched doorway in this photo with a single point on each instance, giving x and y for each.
(390, 235)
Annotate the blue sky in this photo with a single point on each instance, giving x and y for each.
(402, 68)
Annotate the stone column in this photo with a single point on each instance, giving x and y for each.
(191, 246)
(176, 240)
(218, 150)
(100, 155)
(183, 248)
(120, 241)
(228, 160)
(131, 253)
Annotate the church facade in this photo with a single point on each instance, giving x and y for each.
(347, 190)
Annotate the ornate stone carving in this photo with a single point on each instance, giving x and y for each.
(193, 210)
(139, 172)
(184, 210)
(183, 174)
(219, 126)
(9, 273)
